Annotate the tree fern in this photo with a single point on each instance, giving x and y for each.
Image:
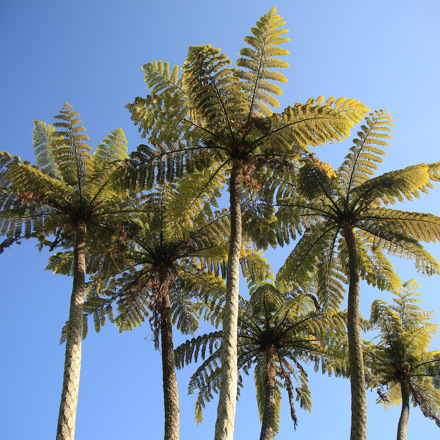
(344, 220)
(400, 364)
(56, 202)
(219, 118)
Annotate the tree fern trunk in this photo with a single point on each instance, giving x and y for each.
(268, 425)
(72, 363)
(404, 415)
(355, 353)
(170, 390)
(224, 427)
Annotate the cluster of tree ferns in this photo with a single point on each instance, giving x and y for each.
(141, 236)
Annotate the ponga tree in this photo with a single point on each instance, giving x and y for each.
(66, 200)
(170, 260)
(400, 364)
(347, 229)
(278, 333)
(218, 120)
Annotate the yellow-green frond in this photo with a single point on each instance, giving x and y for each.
(316, 122)
(360, 162)
(160, 79)
(212, 87)
(395, 186)
(42, 136)
(257, 60)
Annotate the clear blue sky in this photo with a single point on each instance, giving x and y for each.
(89, 53)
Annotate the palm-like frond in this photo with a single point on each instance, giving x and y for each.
(360, 163)
(42, 136)
(314, 123)
(402, 356)
(258, 61)
(293, 326)
(160, 79)
(72, 155)
(420, 226)
(300, 265)
(215, 96)
(400, 185)
(326, 202)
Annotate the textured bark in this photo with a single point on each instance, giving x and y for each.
(268, 425)
(355, 353)
(224, 427)
(404, 415)
(169, 379)
(72, 362)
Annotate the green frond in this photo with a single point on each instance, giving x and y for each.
(30, 184)
(132, 311)
(299, 267)
(255, 74)
(112, 148)
(206, 380)
(395, 185)
(360, 163)
(255, 267)
(163, 118)
(402, 352)
(315, 179)
(315, 123)
(203, 346)
(42, 136)
(195, 194)
(71, 154)
(330, 278)
(402, 246)
(160, 79)
(212, 86)
(185, 313)
(419, 226)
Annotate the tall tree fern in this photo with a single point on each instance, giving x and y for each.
(166, 267)
(218, 119)
(67, 199)
(277, 335)
(401, 366)
(346, 229)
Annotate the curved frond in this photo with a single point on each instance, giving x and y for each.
(258, 61)
(212, 86)
(367, 150)
(160, 79)
(314, 123)
(71, 154)
(42, 136)
(300, 265)
(419, 226)
(399, 184)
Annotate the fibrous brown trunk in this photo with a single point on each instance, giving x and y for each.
(404, 415)
(224, 427)
(72, 362)
(268, 424)
(169, 379)
(355, 352)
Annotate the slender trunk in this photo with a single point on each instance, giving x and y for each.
(72, 362)
(170, 390)
(404, 415)
(355, 353)
(268, 425)
(224, 427)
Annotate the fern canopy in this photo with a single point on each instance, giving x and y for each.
(401, 356)
(320, 202)
(272, 328)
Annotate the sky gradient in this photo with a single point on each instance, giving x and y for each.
(89, 53)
